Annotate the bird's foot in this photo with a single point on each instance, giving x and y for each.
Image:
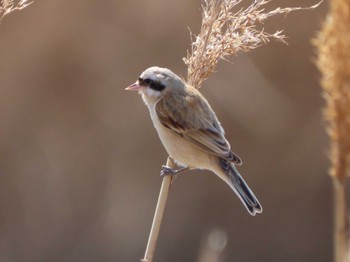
(167, 171)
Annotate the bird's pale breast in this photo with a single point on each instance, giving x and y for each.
(181, 150)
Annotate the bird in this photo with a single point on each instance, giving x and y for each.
(190, 130)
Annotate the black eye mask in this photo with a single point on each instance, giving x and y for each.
(155, 85)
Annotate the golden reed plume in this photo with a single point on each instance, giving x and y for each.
(333, 43)
(225, 32)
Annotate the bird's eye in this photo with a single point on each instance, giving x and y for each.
(147, 81)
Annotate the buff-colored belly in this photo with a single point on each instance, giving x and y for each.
(181, 150)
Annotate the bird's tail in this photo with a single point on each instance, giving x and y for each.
(240, 187)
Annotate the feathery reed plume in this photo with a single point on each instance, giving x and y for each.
(333, 43)
(8, 6)
(225, 33)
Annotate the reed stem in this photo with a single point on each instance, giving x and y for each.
(158, 215)
(339, 233)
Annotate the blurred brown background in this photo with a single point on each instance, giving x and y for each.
(80, 159)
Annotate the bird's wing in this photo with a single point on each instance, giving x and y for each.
(195, 121)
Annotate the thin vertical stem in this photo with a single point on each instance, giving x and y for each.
(158, 215)
(340, 234)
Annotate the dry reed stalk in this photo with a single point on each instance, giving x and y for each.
(223, 33)
(8, 6)
(158, 215)
(333, 43)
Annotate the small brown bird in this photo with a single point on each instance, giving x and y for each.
(190, 130)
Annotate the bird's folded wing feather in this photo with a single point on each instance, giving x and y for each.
(196, 122)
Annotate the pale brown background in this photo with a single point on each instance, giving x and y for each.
(80, 160)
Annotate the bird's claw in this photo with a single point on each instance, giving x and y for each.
(167, 171)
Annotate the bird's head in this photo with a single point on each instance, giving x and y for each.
(155, 82)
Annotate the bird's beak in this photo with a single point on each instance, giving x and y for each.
(134, 87)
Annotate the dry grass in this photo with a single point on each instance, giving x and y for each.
(8, 6)
(225, 33)
(333, 43)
